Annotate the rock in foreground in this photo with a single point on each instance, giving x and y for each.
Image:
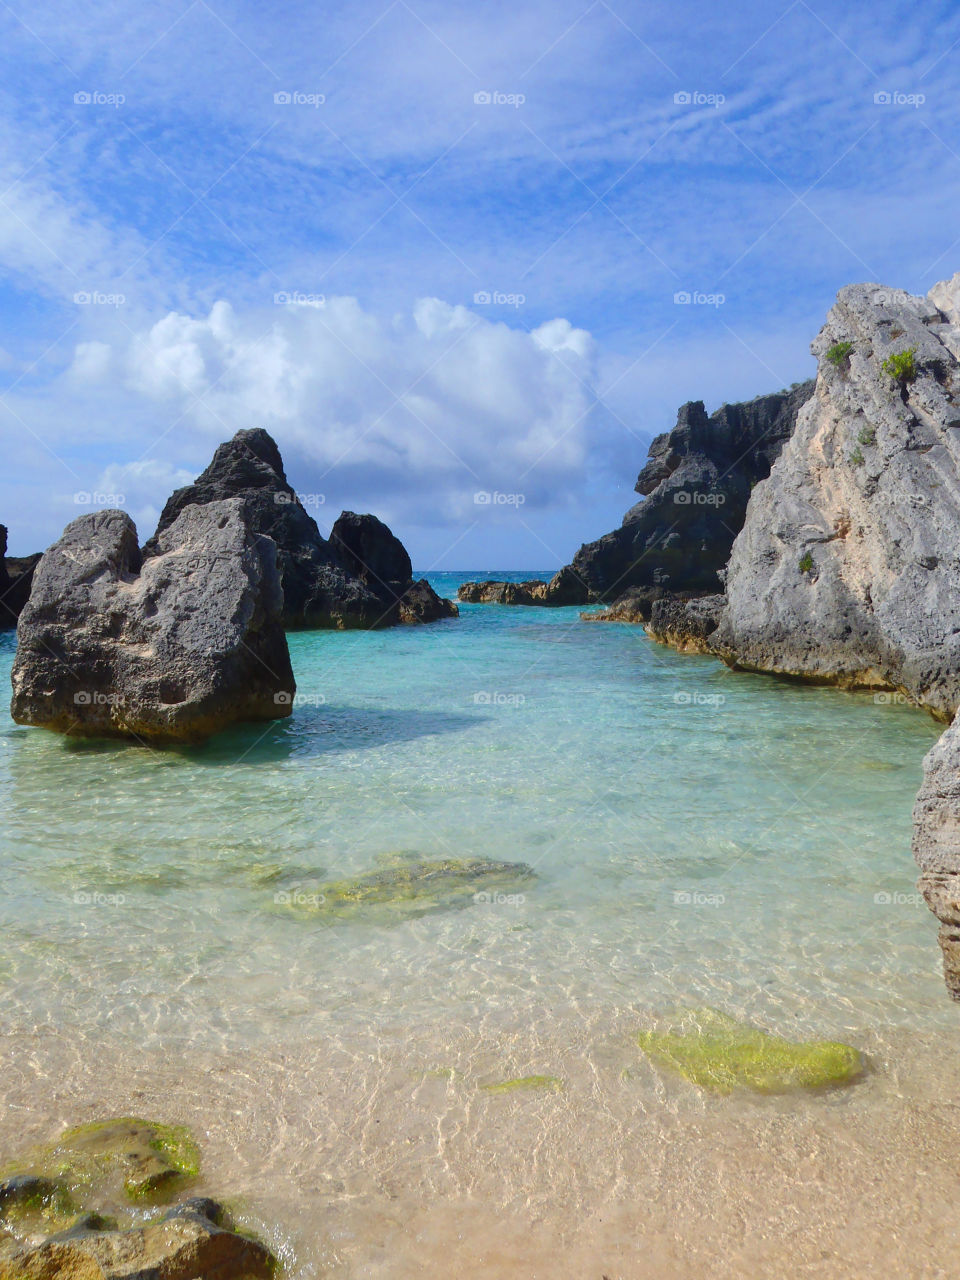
(361, 577)
(173, 650)
(936, 846)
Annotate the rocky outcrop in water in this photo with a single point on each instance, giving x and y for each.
(492, 591)
(846, 570)
(936, 846)
(16, 578)
(171, 648)
(696, 484)
(361, 577)
(685, 625)
(634, 606)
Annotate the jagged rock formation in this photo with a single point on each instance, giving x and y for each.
(846, 570)
(16, 578)
(936, 846)
(685, 625)
(696, 485)
(361, 577)
(174, 648)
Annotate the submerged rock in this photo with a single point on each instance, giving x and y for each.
(686, 625)
(720, 1054)
(173, 650)
(361, 577)
(411, 888)
(126, 1157)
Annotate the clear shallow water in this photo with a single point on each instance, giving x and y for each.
(699, 837)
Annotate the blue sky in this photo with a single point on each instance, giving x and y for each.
(223, 215)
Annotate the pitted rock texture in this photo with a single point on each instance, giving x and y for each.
(686, 625)
(848, 565)
(175, 648)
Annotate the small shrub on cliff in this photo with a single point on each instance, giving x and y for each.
(806, 562)
(857, 457)
(867, 435)
(839, 353)
(902, 366)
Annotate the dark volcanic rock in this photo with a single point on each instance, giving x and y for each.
(16, 578)
(696, 485)
(179, 648)
(686, 625)
(379, 559)
(360, 578)
(697, 482)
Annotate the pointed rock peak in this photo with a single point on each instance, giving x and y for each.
(261, 443)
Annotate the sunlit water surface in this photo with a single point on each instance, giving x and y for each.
(699, 837)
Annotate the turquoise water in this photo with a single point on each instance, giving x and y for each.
(699, 836)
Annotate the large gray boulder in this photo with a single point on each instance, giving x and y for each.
(936, 846)
(177, 649)
(847, 569)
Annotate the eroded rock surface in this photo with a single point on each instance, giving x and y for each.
(686, 625)
(174, 648)
(16, 578)
(847, 567)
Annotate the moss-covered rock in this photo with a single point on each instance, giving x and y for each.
(410, 888)
(720, 1054)
(141, 1159)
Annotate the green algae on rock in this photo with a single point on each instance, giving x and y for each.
(412, 888)
(553, 1083)
(720, 1054)
(150, 1160)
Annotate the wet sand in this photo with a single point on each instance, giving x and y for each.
(382, 1156)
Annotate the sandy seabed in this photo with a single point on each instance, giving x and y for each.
(382, 1157)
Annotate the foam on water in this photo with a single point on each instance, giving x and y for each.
(700, 838)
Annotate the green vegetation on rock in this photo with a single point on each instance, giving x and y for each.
(867, 435)
(902, 365)
(839, 353)
(806, 562)
(857, 457)
(524, 1082)
(720, 1054)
